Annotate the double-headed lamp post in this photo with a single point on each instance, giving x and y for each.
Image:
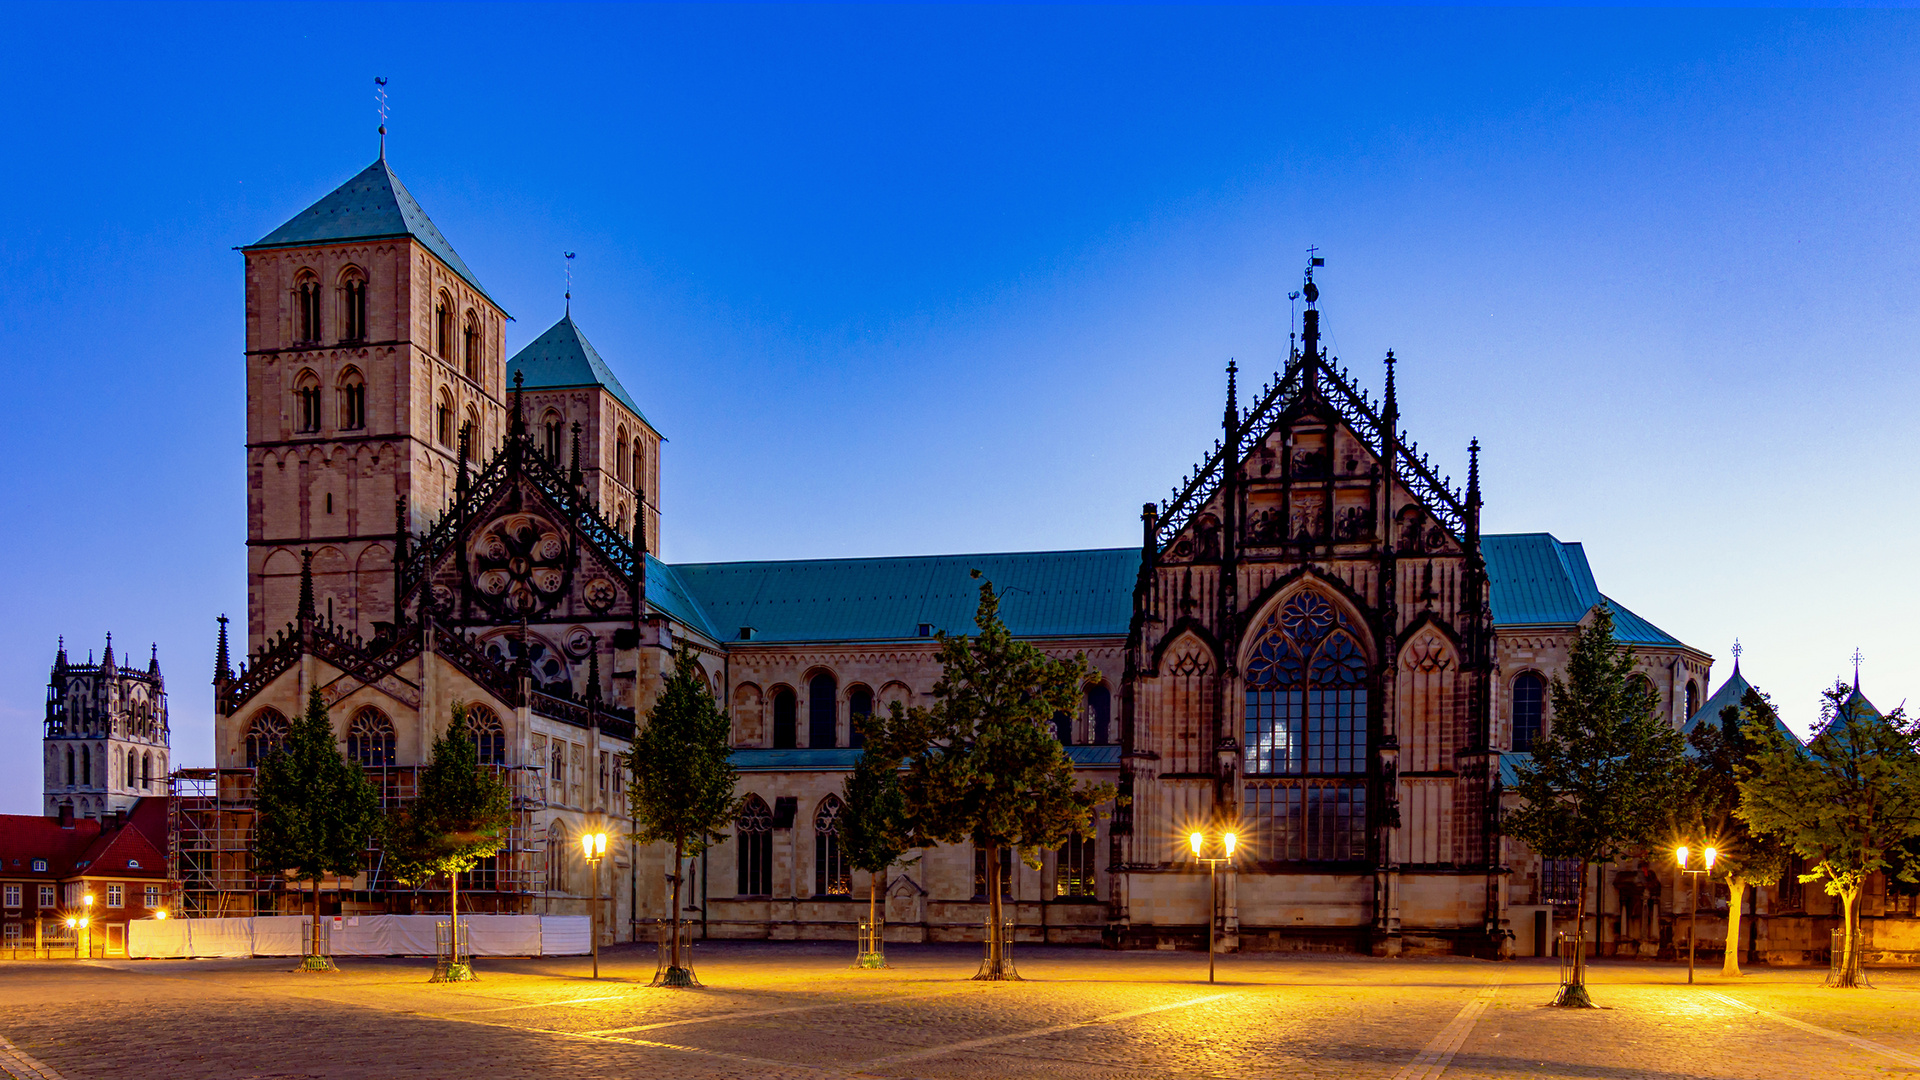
(1212, 849)
(594, 846)
(1681, 855)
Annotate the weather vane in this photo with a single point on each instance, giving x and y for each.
(380, 102)
(569, 256)
(1310, 290)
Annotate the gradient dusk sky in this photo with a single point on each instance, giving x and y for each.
(924, 280)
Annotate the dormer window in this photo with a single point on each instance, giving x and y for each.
(39, 866)
(306, 296)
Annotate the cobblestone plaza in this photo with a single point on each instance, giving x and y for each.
(802, 1011)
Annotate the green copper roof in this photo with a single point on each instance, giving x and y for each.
(1537, 580)
(374, 205)
(564, 357)
(1043, 594)
(1730, 693)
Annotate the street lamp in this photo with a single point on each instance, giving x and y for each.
(1680, 854)
(594, 846)
(86, 917)
(1221, 844)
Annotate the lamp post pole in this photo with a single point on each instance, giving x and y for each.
(1680, 855)
(1222, 843)
(594, 846)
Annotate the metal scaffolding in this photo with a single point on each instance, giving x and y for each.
(210, 834)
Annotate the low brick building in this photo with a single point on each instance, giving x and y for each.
(50, 865)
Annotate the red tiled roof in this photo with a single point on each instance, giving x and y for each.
(123, 852)
(149, 815)
(26, 837)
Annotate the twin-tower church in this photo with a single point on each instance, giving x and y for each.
(1313, 639)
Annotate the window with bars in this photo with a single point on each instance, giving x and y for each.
(1560, 881)
(1308, 820)
(1073, 867)
(754, 831)
(831, 875)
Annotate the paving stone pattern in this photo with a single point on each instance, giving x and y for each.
(800, 1010)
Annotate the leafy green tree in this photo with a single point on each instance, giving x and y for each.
(315, 811)
(873, 822)
(1723, 753)
(1603, 777)
(682, 779)
(981, 762)
(1844, 802)
(460, 817)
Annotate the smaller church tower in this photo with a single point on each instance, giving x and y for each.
(106, 736)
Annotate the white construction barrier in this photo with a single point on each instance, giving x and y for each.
(356, 935)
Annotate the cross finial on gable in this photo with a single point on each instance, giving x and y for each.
(1857, 657)
(380, 100)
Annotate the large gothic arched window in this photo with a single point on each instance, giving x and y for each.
(490, 739)
(1307, 728)
(1529, 696)
(754, 831)
(267, 733)
(370, 739)
(830, 873)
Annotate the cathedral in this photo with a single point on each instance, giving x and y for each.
(1313, 644)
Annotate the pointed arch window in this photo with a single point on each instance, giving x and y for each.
(859, 711)
(620, 455)
(471, 429)
(639, 466)
(558, 848)
(353, 305)
(489, 737)
(1100, 713)
(133, 770)
(1306, 709)
(267, 733)
(86, 766)
(754, 831)
(470, 351)
(1693, 699)
(551, 425)
(370, 739)
(1529, 708)
(443, 327)
(831, 876)
(443, 420)
(306, 402)
(70, 766)
(353, 400)
(146, 772)
(306, 297)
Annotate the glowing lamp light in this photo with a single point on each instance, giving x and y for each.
(1198, 841)
(1228, 840)
(73, 924)
(1711, 855)
(159, 913)
(1680, 854)
(87, 899)
(593, 845)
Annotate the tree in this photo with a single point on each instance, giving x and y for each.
(873, 826)
(316, 811)
(982, 763)
(1722, 755)
(1602, 778)
(682, 779)
(459, 818)
(1844, 802)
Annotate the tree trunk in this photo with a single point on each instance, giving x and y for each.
(1574, 994)
(453, 917)
(678, 859)
(996, 963)
(1737, 891)
(313, 938)
(873, 906)
(1848, 976)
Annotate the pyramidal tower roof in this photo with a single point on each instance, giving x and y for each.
(564, 357)
(374, 205)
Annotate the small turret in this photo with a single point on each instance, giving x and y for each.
(60, 657)
(305, 613)
(1473, 493)
(106, 658)
(153, 663)
(222, 661)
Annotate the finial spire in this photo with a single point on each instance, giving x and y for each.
(1857, 657)
(569, 256)
(380, 99)
(305, 613)
(1233, 397)
(640, 523)
(222, 664)
(593, 670)
(106, 658)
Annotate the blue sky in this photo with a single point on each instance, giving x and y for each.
(912, 280)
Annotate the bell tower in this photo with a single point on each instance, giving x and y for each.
(371, 348)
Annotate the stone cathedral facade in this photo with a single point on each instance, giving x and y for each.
(1313, 644)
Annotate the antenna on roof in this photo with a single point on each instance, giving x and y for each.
(380, 101)
(569, 256)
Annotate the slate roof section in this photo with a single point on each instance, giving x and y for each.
(564, 357)
(374, 205)
(1730, 693)
(1044, 594)
(1537, 580)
